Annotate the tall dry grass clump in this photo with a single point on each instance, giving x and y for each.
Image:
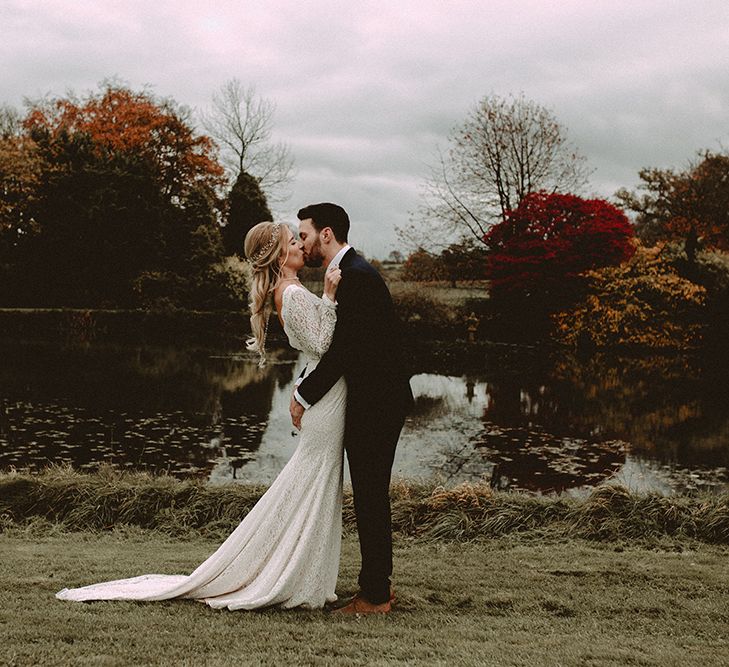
(108, 499)
(612, 512)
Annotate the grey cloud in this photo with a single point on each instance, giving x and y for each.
(366, 91)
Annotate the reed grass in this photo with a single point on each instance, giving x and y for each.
(110, 498)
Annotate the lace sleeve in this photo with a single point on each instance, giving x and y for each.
(309, 319)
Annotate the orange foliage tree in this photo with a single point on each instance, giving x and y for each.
(422, 266)
(643, 302)
(692, 205)
(113, 200)
(121, 121)
(21, 170)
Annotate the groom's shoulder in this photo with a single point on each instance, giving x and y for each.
(353, 262)
(367, 278)
(356, 261)
(359, 264)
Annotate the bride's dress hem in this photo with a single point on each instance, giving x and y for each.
(285, 552)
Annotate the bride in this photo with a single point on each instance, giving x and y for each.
(285, 551)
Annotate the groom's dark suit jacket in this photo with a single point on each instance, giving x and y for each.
(366, 349)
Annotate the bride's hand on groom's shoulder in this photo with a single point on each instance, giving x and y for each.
(331, 282)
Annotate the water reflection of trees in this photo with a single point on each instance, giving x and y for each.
(548, 421)
(556, 421)
(535, 460)
(425, 407)
(174, 409)
(671, 408)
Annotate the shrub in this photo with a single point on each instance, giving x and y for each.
(421, 266)
(642, 303)
(422, 315)
(464, 261)
(710, 269)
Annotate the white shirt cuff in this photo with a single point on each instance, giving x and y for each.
(298, 397)
(327, 301)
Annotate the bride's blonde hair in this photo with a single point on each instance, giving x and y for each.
(265, 246)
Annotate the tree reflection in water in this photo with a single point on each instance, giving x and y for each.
(554, 422)
(672, 408)
(669, 409)
(159, 409)
(524, 457)
(526, 419)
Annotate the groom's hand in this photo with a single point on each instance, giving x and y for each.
(297, 411)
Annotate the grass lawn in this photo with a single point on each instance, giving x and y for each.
(508, 601)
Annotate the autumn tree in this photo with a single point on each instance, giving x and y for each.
(464, 261)
(690, 205)
(546, 243)
(21, 169)
(100, 220)
(9, 121)
(241, 122)
(395, 257)
(21, 172)
(127, 197)
(122, 121)
(505, 149)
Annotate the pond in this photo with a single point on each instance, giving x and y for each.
(522, 419)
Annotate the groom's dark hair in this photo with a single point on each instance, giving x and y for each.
(327, 215)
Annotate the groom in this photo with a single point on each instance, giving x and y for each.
(366, 350)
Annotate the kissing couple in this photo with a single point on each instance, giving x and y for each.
(352, 396)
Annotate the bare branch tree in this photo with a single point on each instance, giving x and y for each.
(9, 121)
(505, 149)
(241, 123)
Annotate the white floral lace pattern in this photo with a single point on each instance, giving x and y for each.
(309, 321)
(285, 551)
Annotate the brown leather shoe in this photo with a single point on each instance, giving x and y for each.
(359, 605)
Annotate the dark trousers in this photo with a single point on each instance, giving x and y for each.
(370, 452)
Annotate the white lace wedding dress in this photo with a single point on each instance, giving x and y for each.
(285, 552)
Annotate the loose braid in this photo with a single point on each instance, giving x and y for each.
(264, 246)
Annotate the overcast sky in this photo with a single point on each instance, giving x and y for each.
(366, 91)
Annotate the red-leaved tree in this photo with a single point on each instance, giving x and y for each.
(549, 240)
